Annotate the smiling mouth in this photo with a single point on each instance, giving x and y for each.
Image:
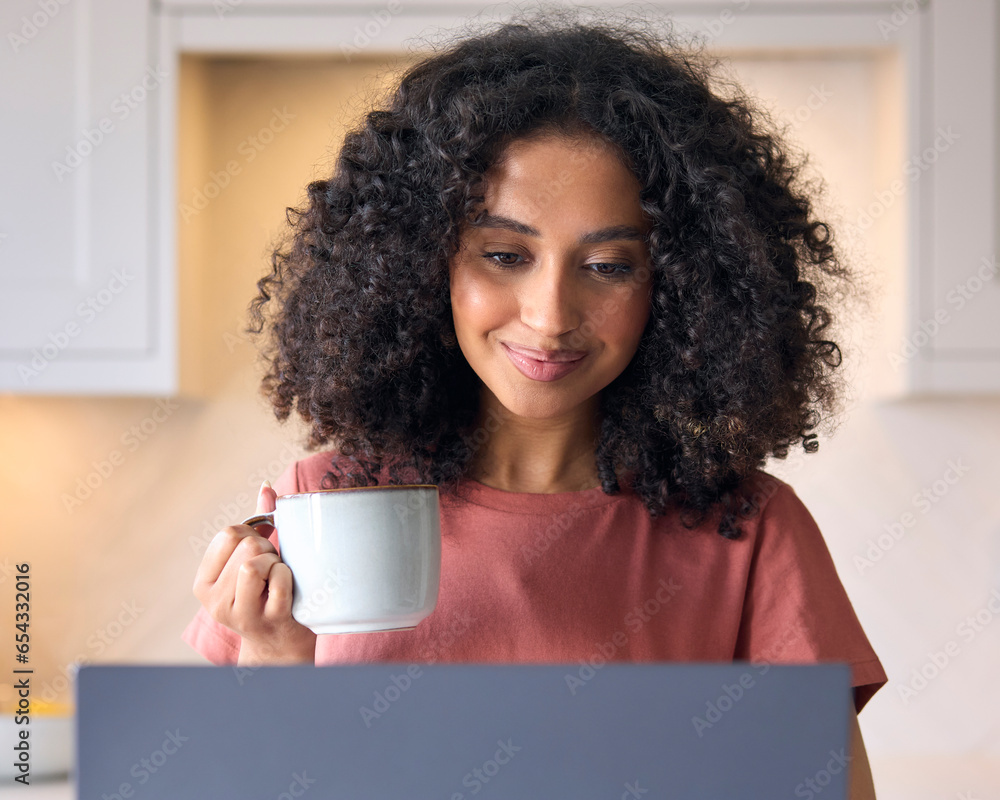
(539, 370)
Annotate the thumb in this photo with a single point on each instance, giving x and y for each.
(266, 498)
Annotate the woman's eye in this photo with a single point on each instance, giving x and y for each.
(616, 270)
(493, 256)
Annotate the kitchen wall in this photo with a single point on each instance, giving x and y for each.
(112, 500)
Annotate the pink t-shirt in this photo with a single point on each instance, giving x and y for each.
(585, 577)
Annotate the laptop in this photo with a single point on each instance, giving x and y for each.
(457, 731)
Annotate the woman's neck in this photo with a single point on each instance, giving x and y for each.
(539, 479)
(537, 456)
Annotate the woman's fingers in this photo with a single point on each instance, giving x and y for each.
(228, 549)
(251, 584)
(232, 579)
(279, 592)
(217, 555)
(240, 541)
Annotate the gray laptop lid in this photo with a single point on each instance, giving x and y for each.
(458, 731)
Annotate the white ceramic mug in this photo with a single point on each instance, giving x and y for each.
(362, 559)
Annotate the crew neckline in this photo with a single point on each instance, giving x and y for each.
(472, 491)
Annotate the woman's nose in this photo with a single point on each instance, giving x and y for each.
(549, 302)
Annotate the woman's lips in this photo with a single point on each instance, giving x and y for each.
(539, 370)
(546, 355)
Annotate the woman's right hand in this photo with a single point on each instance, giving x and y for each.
(244, 585)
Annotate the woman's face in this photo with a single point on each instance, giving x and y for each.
(558, 264)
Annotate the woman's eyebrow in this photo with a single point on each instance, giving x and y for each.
(610, 234)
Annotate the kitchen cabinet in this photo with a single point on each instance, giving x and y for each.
(955, 310)
(88, 305)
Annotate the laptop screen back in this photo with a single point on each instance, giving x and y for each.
(458, 731)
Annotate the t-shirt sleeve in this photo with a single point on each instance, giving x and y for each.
(796, 609)
(215, 641)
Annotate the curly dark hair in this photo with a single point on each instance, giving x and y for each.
(733, 366)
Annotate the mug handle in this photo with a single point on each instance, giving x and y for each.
(259, 519)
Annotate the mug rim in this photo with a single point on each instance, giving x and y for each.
(359, 489)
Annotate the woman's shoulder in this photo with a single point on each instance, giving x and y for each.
(765, 489)
(783, 523)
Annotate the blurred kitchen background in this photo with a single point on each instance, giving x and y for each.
(150, 153)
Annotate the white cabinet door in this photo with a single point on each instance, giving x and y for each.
(85, 309)
(957, 313)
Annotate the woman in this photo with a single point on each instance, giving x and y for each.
(562, 279)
